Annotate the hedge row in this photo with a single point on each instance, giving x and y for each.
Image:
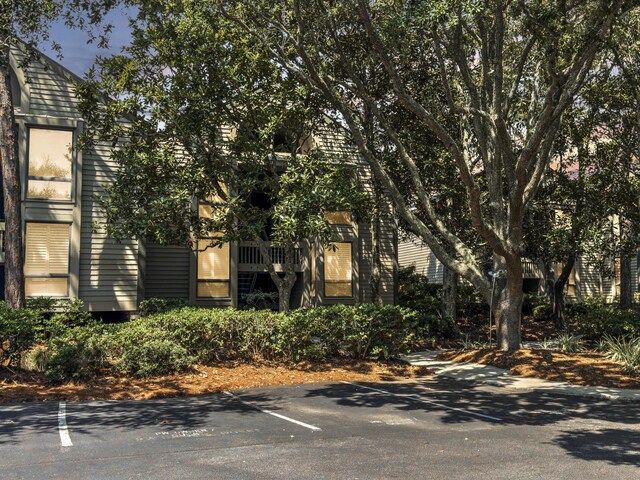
(172, 341)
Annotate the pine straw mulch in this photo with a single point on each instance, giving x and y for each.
(587, 368)
(28, 387)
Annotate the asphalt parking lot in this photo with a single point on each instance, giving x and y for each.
(429, 429)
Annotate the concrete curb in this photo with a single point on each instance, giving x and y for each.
(485, 374)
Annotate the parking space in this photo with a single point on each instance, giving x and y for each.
(419, 421)
(28, 431)
(285, 414)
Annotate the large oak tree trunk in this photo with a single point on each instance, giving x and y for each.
(13, 267)
(509, 307)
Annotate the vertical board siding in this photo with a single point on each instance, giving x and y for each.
(167, 272)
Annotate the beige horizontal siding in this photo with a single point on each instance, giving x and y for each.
(108, 269)
(414, 253)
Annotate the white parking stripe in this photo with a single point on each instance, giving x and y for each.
(269, 412)
(65, 439)
(428, 402)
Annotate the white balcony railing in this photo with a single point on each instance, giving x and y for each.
(530, 269)
(249, 254)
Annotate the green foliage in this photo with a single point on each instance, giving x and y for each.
(18, 332)
(43, 304)
(596, 319)
(151, 306)
(416, 293)
(77, 353)
(570, 343)
(218, 334)
(260, 299)
(547, 344)
(172, 341)
(155, 357)
(625, 350)
(356, 331)
(542, 312)
(35, 359)
(467, 343)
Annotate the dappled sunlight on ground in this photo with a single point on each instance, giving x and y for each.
(588, 368)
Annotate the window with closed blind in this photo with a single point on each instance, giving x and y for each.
(213, 260)
(213, 269)
(338, 218)
(338, 270)
(50, 164)
(46, 264)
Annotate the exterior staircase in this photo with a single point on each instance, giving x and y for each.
(246, 283)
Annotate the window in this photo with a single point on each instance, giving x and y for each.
(213, 269)
(46, 265)
(338, 218)
(213, 261)
(50, 164)
(618, 275)
(338, 277)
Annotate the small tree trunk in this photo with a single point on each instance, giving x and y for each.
(286, 283)
(376, 260)
(449, 294)
(549, 281)
(626, 288)
(558, 293)
(284, 299)
(509, 307)
(13, 267)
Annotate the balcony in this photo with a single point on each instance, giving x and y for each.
(250, 258)
(530, 269)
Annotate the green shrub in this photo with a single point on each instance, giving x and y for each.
(43, 304)
(155, 357)
(624, 350)
(260, 299)
(174, 340)
(79, 352)
(570, 343)
(542, 312)
(470, 302)
(357, 331)
(416, 293)
(596, 319)
(35, 359)
(152, 306)
(217, 334)
(67, 314)
(19, 330)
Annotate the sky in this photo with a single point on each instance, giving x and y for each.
(78, 56)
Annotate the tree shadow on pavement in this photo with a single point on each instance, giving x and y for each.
(614, 446)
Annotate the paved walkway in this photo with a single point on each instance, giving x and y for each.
(476, 372)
